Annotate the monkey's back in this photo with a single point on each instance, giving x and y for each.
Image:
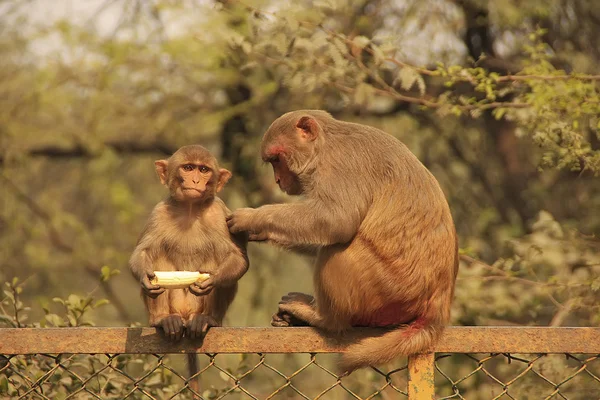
(405, 250)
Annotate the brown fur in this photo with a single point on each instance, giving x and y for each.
(188, 232)
(387, 252)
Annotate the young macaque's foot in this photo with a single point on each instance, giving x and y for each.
(199, 324)
(173, 326)
(284, 319)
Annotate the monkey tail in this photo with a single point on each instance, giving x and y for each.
(414, 338)
(192, 362)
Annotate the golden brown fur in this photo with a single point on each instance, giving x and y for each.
(386, 246)
(177, 241)
(188, 232)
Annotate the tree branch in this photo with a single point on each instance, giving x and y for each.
(126, 146)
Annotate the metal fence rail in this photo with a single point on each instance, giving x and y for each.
(296, 363)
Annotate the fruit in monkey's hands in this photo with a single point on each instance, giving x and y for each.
(177, 279)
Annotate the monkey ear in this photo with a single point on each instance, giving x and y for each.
(308, 128)
(224, 176)
(161, 170)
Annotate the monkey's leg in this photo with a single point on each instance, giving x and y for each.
(160, 315)
(209, 310)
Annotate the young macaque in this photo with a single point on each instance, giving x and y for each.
(378, 221)
(188, 232)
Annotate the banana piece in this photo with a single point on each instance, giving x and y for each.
(177, 279)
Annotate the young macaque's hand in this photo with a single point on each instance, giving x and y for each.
(243, 220)
(149, 289)
(203, 288)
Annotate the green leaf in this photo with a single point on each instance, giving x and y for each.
(67, 381)
(363, 93)
(407, 77)
(378, 54)
(5, 319)
(224, 376)
(54, 320)
(10, 295)
(499, 113)
(104, 273)
(361, 41)
(154, 380)
(3, 384)
(100, 303)
(58, 300)
(72, 320)
(74, 300)
(291, 23)
(421, 84)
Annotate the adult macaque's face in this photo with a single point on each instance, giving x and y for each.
(286, 179)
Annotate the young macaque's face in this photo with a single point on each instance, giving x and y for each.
(192, 175)
(193, 183)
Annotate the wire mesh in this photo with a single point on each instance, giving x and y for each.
(220, 376)
(293, 376)
(515, 376)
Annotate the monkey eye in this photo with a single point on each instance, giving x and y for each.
(188, 167)
(204, 169)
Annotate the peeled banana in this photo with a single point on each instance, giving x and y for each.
(177, 279)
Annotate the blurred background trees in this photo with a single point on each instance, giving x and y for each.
(500, 100)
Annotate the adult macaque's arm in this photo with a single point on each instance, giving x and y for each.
(308, 223)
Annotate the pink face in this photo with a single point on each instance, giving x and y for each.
(193, 181)
(286, 179)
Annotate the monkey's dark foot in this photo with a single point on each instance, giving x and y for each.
(283, 319)
(173, 326)
(199, 324)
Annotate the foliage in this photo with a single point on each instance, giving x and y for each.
(75, 311)
(499, 100)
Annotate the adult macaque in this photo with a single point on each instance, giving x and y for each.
(386, 245)
(188, 232)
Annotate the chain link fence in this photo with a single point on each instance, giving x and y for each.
(292, 374)
(220, 376)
